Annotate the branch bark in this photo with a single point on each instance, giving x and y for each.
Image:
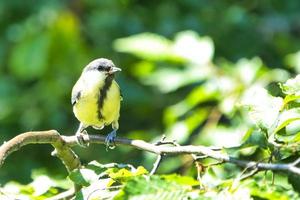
(62, 149)
(63, 145)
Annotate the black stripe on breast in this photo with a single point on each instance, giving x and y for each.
(102, 95)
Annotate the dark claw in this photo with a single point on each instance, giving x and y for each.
(80, 139)
(110, 140)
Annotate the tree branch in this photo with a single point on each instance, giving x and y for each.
(62, 149)
(62, 145)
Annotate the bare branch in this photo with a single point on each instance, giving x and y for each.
(62, 149)
(62, 144)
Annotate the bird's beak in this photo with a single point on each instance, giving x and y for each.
(114, 69)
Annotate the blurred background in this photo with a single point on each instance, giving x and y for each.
(186, 65)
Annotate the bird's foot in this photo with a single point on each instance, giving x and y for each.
(110, 140)
(80, 138)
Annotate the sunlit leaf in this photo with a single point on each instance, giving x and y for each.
(189, 45)
(290, 98)
(292, 140)
(291, 86)
(15, 188)
(124, 174)
(181, 130)
(285, 123)
(170, 79)
(222, 136)
(293, 60)
(240, 193)
(41, 185)
(182, 180)
(147, 46)
(97, 189)
(248, 69)
(288, 122)
(263, 108)
(247, 135)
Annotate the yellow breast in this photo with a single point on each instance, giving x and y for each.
(86, 109)
(111, 106)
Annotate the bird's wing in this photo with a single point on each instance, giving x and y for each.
(76, 94)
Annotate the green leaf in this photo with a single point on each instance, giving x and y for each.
(154, 187)
(293, 61)
(182, 180)
(254, 138)
(79, 195)
(197, 96)
(140, 171)
(83, 176)
(279, 190)
(290, 98)
(294, 181)
(289, 139)
(24, 62)
(247, 135)
(285, 123)
(288, 122)
(124, 174)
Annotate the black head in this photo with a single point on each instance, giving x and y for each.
(102, 65)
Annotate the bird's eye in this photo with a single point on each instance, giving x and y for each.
(100, 68)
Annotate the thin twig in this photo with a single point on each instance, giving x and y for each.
(156, 164)
(296, 162)
(200, 168)
(251, 173)
(159, 157)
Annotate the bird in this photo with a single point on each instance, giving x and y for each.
(96, 99)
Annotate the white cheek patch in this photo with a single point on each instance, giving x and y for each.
(93, 79)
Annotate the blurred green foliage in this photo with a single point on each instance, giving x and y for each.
(201, 72)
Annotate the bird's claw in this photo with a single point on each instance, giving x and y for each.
(110, 140)
(80, 138)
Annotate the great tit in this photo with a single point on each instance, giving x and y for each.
(96, 99)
